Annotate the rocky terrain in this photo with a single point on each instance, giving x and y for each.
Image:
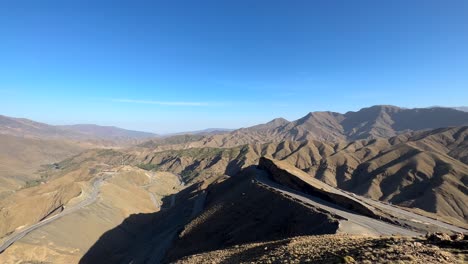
(334, 178)
(335, 249)
(426, 170)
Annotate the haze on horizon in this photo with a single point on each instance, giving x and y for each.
(179, 66)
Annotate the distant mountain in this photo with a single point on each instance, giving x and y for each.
(380, 121)
(107, 132)
(22, 127)
(461, 108)
(208, 131)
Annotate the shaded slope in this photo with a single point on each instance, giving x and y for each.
(238, 211)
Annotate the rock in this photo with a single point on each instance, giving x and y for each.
(438, 237)
(417, 244)
(457, 237)
(348, 259)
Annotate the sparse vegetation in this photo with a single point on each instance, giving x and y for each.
(178, 139)
(33, 183)
(148, 166)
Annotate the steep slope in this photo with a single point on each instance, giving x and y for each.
(238, 211)
(247, 208)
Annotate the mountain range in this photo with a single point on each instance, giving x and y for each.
(381, 121)
(87, 193)
(27, 128)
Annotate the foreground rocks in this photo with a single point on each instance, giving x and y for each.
(335, 249)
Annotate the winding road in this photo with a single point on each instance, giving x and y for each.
(402, 213)
(89, 200)
(350, 220)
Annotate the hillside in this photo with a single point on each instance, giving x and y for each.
(22, 159)
(237, 211)
(124, 192)
(425, 170)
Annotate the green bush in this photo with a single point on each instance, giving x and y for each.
(148, 166)
(32, 183)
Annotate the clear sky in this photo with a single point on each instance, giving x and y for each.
(166, 66)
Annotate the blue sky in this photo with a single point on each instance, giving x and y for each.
(166, 66)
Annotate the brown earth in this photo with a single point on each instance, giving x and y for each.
(426, 171)
(67, 239)
(22, 158)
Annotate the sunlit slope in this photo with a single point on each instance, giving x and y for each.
(21, 158)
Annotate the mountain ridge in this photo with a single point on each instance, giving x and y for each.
(24, 127)
(379, 121)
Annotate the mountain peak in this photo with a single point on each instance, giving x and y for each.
(381, 108)
(278, 121)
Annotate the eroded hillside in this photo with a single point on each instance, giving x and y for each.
(425, 170)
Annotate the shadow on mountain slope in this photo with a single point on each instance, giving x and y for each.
(239, 211)
(145, 237)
